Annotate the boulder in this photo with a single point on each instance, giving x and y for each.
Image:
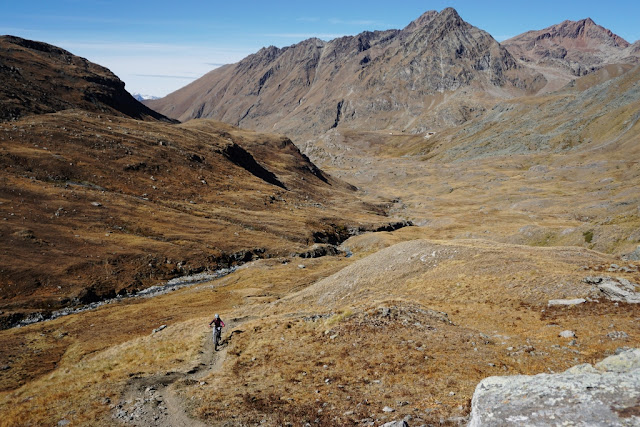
(574, 301)
(633, 256)
(602, 395)
(400, 423)
(618, 289)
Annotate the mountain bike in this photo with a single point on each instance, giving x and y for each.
(217, 334)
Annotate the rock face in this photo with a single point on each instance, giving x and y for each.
(374, 79)
(40, 78)
(605, 394)
(578, 47)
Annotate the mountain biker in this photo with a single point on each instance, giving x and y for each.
(218, 325)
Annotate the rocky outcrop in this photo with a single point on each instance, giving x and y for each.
(618, 289)
(242, 158)
(601, 395)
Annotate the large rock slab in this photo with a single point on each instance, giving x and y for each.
(607, 394)
(618, 289)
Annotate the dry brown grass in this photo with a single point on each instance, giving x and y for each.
(276, 370)
(411, 359)
(77, 367)
(117, 205)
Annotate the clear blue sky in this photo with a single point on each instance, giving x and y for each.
(159, 46)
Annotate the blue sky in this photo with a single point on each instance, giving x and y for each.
(159, 46)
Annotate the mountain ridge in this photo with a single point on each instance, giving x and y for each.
(41, 78)
(577, 47)
(373, 78)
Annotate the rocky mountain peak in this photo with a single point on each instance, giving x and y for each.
(450, 13)
(575, 47)
(421, 21)
(585, 29)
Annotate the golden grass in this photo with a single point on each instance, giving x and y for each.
(77, 367)
(494, 257)
(276, 369)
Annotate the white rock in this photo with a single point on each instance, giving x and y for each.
(582, 395)
(574, 301)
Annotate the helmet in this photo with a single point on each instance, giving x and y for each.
(216, 316)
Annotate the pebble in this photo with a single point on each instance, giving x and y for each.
(617, 335)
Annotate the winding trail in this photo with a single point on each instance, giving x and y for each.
(154, 401)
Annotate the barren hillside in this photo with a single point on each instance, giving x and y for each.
(40, 78)
(95, 204)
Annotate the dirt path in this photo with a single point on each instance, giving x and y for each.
(154, 400)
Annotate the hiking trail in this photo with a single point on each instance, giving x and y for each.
(154, 400)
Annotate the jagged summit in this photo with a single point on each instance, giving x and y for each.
(584, 29)
(40, 78)
(421, 21)
(371, 80)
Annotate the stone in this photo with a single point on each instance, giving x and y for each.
(159, 328)
(633, 256)
(388, 409)
(567, 334)
(574, 301)
(626, 361)
(399, 423)
(617, 335)
(63, 422)
(604, 394)
(585, 368)
(618, 289)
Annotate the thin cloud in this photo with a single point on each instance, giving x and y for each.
(127, 47)
(306, 19)
(304, 35)
(166, 76)
(337, 21)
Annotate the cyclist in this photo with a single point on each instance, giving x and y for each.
(217, 330)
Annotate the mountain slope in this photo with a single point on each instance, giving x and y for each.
(574, 48)
(93, 206)
(375, 79)
(40, 78)
(94, 202)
